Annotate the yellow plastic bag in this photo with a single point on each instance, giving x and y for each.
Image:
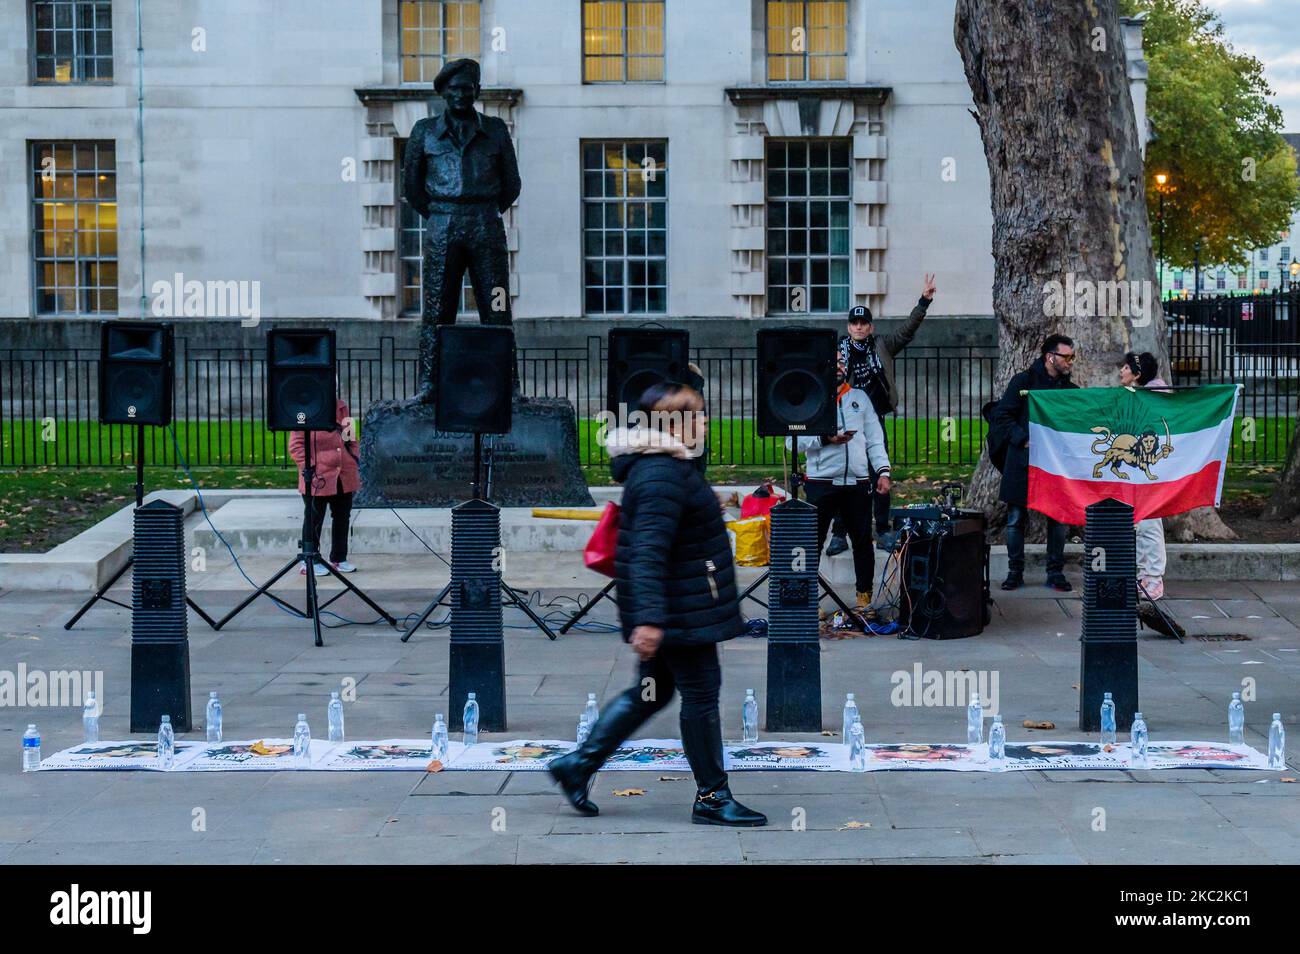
(751, 541)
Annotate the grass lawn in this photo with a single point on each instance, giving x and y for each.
(732, 442)
(41, 507)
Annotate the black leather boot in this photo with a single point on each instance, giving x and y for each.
(714, 803)
(573, 772)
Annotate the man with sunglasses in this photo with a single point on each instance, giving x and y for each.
(1010, 418)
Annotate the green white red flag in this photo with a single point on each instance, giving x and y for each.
(1161, 452)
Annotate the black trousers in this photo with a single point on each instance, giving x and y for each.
(694, 672)
(853, 505)
(1017, 517)
(880, 502)
(340, 508)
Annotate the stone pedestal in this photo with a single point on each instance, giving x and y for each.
(407, 462)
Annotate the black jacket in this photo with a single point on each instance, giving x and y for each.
(673, 562)
(436, 169)
(886, 347)
(1011, 422)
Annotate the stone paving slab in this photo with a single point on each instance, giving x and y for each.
(267, 670)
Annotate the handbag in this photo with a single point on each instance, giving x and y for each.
(599, 552)
(761, 501)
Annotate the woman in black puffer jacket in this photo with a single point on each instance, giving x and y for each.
(677, 600)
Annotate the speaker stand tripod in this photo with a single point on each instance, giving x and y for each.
(512, 596)
(308, 556)
(101, 593)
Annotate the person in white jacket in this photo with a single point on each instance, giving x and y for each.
(1142, 371)
(838, 480)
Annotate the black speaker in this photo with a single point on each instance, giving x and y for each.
(796, 382)
(474, 379)
(641, 357)
(945, 575)
(136, 372)
(301, 393)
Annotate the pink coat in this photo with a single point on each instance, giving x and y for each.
(334, 459)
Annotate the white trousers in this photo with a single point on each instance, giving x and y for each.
(1151, 555)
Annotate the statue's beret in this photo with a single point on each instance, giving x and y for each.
(457, 66)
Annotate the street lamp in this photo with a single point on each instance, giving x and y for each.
(1161, 179)
(1196, 271)
(1295, 273)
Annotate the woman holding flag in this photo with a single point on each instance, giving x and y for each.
(1142, 370)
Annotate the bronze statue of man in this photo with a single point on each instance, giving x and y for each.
(459, 172)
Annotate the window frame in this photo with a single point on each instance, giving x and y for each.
(78, 57)
(807, 56)
(442, 56)
(583, 55)
(807, 256)
(36, 230)
(625, 258)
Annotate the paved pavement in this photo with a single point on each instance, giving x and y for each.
(267, 670)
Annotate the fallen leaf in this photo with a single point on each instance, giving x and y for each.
(855, 824)
(1031, 724)
(1287, 779)
(626, 792)
(674, 778)
(828, 732)
(434, 766)
(1108, 747)
(1074, 685)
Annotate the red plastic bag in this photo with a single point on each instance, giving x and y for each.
(761, 501)
(599, 553)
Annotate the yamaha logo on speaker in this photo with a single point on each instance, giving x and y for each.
(301, 417)
(797, 427)
(130, 411)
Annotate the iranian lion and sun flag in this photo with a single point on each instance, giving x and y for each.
(1160, 452)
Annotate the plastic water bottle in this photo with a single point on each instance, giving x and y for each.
(31, 749)
(1138, 738)
(166, 742)
(1107, 720)
(438, 749)
(1276, 743)
(302, 740)
(1236, 721)
(471, 719)
(214, 718)
(90, 719)
(749, 718)
(974, 720)
(584, 729)
(857, 747)
(851, 715)
(998, 743)
(592, 712)
(335, 715)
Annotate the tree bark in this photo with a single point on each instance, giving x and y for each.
(1049, 81)
(1285, 502)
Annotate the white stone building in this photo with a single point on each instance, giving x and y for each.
(681, 159)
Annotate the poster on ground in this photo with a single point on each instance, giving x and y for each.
(120, 756)
(808, 756)
(392, 755)
(256, 755)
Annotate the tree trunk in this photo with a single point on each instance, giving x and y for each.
(1285, 502)
(1050, 86)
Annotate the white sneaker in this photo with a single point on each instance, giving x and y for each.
(317, 568)
(343, 566)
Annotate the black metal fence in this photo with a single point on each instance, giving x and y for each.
(49, 404)
(1253, 340)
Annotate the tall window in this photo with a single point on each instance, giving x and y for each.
(410, 236)
(1178, 280)
(1243, 278)
(1221, 278)
(74, 199)
(625, 227)
(622, 41)
(807, 40)
(72, 41)
(435, 31)
(808, 206)
(1263, 278)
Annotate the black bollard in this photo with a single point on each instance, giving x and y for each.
(477, 662)
(1108, 646)
(794, 676)
(160, 644)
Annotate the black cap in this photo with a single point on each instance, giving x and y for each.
(457, 66)
(860, 313)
